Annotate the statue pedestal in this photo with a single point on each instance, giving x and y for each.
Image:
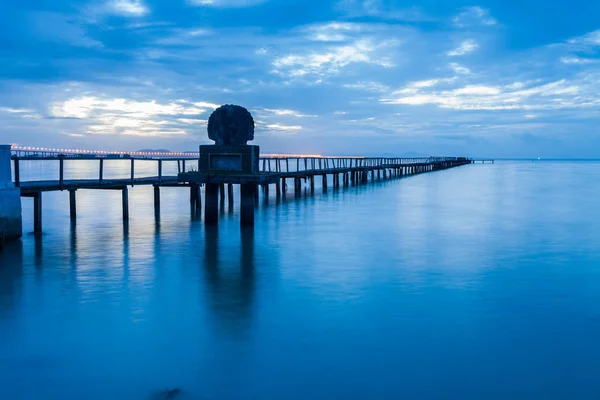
(230, 163)
(239, 159)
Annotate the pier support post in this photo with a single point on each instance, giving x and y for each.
(125, 201)
(222, 196)
(211, 204)
(73, 204)
(278, 188)
(247, 196)
(297, 187)
(230, 196)
(10, 198)
(193, 195)
(195, 198)
(37, 212)
(324, 182)
(156, 199)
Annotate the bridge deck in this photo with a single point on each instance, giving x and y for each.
(74, 184)
(186, 178)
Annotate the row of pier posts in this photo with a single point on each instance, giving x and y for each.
(216, 195)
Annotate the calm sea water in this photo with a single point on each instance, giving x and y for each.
(480, 282)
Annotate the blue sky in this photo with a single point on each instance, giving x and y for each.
(341, 77)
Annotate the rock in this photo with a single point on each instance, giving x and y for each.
(169, 394)
(231, 125)
(172, 394)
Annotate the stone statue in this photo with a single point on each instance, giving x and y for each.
(231, 125)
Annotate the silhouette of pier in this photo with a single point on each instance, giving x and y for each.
(282, 173)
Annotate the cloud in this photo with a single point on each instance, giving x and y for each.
(473, 16)
(12, 110)
(575, 60)
(55, 27)
(590, 39)
(226, 3)
(382, 9)
(333, 59)
(459, 69)
(284, 128)
(549, 96)
(333, 31)
(286, 113)
(131, 117)
(128, 8)
(465, 47)
(368, 86)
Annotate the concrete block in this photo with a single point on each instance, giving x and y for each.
(5, 172)
(11, 226)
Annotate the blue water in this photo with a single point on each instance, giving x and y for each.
(480, 282)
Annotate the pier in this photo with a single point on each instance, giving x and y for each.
(285, 175)
(217, 168)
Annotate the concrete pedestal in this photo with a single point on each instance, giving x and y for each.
(10, 200)
(10, 214)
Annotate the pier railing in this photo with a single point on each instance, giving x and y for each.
(187, 162)
(158, 170)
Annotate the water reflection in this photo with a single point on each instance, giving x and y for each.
(230, 282)
(11, 276)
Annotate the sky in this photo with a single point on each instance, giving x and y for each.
(494, 78)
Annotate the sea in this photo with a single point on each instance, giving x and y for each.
(478, 282)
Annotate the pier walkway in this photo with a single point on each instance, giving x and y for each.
(334, 172)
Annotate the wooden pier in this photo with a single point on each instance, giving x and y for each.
(282, 172)
(345, 171)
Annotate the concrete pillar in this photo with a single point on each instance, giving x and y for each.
(247, 195)
(230, 195)
(156, 199)
(37, 212)
(125, 200)
(10, 200)
(324, 182)
(73, 204)
(195, 197)
(222, 196)
(297, 187)
(211, 204)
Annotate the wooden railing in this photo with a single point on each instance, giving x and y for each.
(271, 164)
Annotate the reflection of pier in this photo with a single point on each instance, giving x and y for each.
(231, 290)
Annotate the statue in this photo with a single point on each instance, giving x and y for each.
(231, 125)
